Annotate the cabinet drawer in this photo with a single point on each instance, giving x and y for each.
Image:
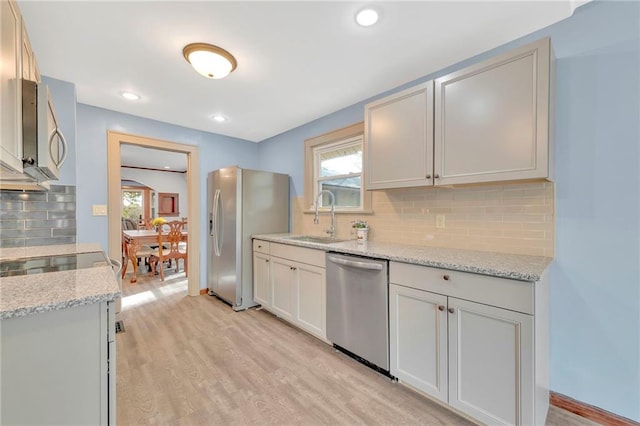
(261, 246)
(501, 292)
(299, 254)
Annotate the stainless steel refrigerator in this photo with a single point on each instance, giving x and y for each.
(241, 203)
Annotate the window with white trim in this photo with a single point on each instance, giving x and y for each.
(338, 169)
(334, 163)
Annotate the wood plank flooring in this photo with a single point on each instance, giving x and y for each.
(194, 361)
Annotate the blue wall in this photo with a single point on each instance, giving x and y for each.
(216, 151)
(595, 279)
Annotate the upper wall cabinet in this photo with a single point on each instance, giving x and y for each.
(489, 122)
(399, 139)
(492, 119)
(10, 87)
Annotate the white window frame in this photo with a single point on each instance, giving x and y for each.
(327, 142)
(357, 141)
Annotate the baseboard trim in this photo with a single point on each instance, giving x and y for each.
(587, 411)
(203, 291)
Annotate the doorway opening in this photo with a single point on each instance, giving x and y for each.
(115, 141)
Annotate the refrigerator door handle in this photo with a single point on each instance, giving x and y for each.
(219, 223)
(214, 227)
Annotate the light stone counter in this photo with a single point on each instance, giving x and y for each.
(513, 266)
(31, 294)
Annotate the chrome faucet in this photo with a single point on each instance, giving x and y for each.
(316, 219)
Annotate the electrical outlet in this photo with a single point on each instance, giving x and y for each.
(440, 222)
(99, 209)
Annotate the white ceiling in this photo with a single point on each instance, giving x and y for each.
(297, 61)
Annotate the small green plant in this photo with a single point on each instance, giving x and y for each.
(359, 224)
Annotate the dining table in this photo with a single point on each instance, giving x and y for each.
(136, 238)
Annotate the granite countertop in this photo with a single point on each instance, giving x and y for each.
(513, 266)
(50, 291)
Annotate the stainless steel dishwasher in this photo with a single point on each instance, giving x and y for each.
(358, 308)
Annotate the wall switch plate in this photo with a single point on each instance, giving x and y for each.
(440, 222)
(99, 209)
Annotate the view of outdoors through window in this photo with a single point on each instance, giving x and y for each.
(339, 170)
(132, 204)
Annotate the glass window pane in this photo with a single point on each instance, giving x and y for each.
(346, 191)
(132, 204)
(341, 161)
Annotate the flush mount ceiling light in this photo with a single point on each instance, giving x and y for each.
(209, 60)
(130, 96)
(367, 17)
(219, 118)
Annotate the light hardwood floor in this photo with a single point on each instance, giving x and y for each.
(194, 361)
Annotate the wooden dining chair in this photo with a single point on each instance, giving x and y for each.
(175, 250)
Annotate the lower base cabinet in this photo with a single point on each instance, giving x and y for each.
(58, 367)
(297, 285)
(483, 360)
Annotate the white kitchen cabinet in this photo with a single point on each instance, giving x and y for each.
(58, 367)
(488, 122)
(297, 284)
(30, 69)
(283, 284)
(10, 87)
(492, 118)
(491, 363)
(398, 147)
(418, 339)
(261, 279)
(468, 340)
(311, 299)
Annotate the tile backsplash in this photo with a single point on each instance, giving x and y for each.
(509, 218)
(38, 218)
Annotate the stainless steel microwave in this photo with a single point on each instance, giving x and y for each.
(44, 147)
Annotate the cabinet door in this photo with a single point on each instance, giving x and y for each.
(261, 279)
(311, 299)
(418, 338)
(491, 363)
(28, 72)
(10, 86)
(491, 119)
(283, 279)
(399, 139)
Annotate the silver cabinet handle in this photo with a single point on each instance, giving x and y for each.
(428, 176)
(437, 176)
(451, 310)
(58, 161)
(445, 277)
(440, 307)
(355, 263)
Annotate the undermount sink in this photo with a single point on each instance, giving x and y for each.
(315, 239)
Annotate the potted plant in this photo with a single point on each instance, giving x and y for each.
(362, 229)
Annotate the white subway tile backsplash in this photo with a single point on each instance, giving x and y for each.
(510, 218)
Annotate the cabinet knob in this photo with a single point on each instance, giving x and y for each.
(293, 268)
(451, 310)
(267, 260)
(428, 176)
(445, 277)
(437, 176)
(440, 307)
(259, 246)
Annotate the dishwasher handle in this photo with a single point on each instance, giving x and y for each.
(355, 263)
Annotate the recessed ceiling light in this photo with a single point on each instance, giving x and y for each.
(367, 17)
(130, 96)
(167, 167)
(219, 118)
